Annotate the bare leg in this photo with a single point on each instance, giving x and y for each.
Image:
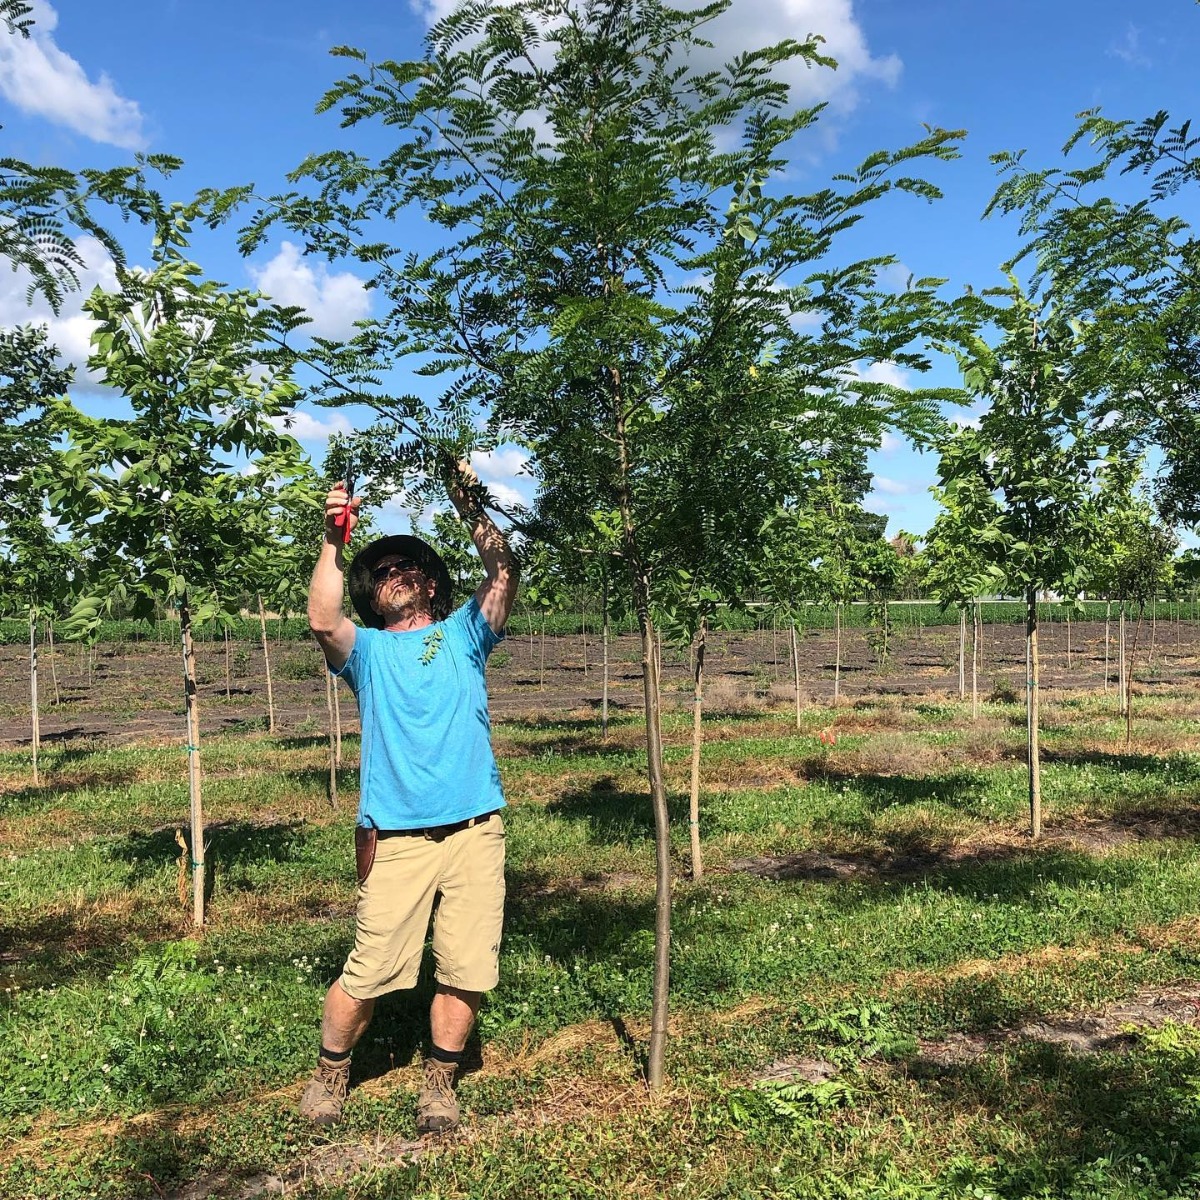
(451, 1016)
(345, 1020)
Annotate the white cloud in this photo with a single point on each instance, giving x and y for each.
(503, 471)
(893, 487)
(308, 427)
(71, 330)
(890, 443)
(1129, 48)
(39, 78)
(894, 277)
(753, 24)
(334, 300)
(883, 372)
(964, 420)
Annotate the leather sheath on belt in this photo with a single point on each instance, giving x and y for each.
(365, 837)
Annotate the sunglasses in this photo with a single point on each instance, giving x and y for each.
(402, 567)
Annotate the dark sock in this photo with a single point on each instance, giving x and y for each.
(446, 1056)
(335, 1058)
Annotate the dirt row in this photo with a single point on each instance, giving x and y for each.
(132, 692)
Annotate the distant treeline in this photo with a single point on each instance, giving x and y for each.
(916, 614)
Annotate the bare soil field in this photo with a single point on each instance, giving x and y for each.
(133, 692)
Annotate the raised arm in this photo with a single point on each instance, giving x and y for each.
(496, 594)
(326, 618)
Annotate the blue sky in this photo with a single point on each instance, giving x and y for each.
(230, 88)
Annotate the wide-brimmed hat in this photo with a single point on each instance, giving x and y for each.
(362, 585)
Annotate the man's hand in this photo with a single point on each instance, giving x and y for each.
(337, 503)
(463, 488)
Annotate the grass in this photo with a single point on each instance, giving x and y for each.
(864, 904)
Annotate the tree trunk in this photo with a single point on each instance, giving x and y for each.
(1068, 641)
(796, 670)
(333, 793)
(35, 721)
(1107, 639)
(583, 635)
(193, 753)
(1031, 706)
(337, 722)
(53, 665)
(542, 657)
(976, 621)
(697, 711)
(962, 654)
(639, 579)
(262, 624)
(228, 689)
(1153, 632)
(604, 637)
(1121, 656)
(775, 644)
(837, 654)
(1129, 668)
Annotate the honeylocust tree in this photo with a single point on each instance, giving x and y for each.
(1027, 482)
(35, 567)
(172, 498)
(1129, 270)
(581, 173)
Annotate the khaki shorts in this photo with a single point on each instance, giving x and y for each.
(460, 880)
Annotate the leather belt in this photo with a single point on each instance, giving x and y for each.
(435, 833)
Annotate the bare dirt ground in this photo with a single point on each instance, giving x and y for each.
(133, 692)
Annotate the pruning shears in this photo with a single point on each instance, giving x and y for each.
(342, 519)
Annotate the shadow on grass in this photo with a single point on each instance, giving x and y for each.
(614, 817)
(1096, 1124)
(1183, 769)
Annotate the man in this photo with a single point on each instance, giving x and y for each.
(429, 837)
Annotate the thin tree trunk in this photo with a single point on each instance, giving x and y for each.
(837, 655)
(228, 689)
(333, 792)
(53, 665)
(1068, 641)
(1121, 661)
(542, 660)
(262, 624)
(337, 723)
(697, 732)
(35, 720)
(1153, 632)
(583, 636)
(1129, 668)
(1107, 639)
(975, 624)
(962, 653)
(775, 644)
(532, 643)
(639, 579)
(604, 637)
(1031, 704)
(193, 753)
(796, 669)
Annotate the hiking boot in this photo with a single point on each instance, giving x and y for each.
(437, 1106)
(325, 1095)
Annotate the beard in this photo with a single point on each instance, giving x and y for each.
(398, 602)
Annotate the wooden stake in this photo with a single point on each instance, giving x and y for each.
(1031, 705)
(333, 792)
(796, 669)
(193, 753)
(262, 624)
(35, 721)
(697, 735)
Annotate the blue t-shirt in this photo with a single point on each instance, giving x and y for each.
(426, 738)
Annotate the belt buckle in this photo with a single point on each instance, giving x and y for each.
(436, 833)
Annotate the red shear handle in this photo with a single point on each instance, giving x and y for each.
(342, 522)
